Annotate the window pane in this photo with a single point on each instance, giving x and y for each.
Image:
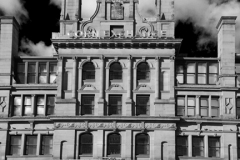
(42, 79)
(115, 71)
(17, 100)
(204, 101)
(179, 69)
(86, 144)
(17, 111)
(204, 111)
(142, 144)
(180, 78)
(191, 111)
(198, 146)
(53, 78)
(88, 104)
(214, 146)
(143, 71)
(213, 68)
(182, 146)
(191, 68)
(212, 78)
(31, 78)
(238, 102)
(215, 112)
(191, 78)
(53, 68)
(21, 68)
(42, 68)
(15, 147)
(27, 110)
(31, 145)
(40, 110)
(202, 79)
(88, 71)
(215, 101)
(191, 101)
(181, 101)
(21, 78)
(31, 68)
(51, 100)
(27, 100)
(202, 68)
(114, 144)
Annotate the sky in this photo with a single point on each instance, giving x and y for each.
(196, 22)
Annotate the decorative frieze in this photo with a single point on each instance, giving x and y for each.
(114, 125)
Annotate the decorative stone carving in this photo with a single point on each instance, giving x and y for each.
(115, 87)
(3, 103)
(117, 11)
(116, 126)
(88, 87)
(228, 105)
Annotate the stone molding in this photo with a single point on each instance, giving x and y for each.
(114, 125)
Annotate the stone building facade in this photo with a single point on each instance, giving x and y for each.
(117, 87)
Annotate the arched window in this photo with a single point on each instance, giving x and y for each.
(88, 71)
(116, 71)
(142, 145)
(143, 71)
(114, 145)
(86, 144)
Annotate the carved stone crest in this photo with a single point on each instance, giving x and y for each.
(228, 105)
(3, 103)
(117, 11)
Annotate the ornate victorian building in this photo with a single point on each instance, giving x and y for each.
(117, 87)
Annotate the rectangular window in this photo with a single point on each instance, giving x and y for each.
(180, 73)
(191, 106)
(238, 147)
(52, 73)
(50, 105)
(40, 105)
(115, 105)
(182, 146)
(190, 76)
(238, 107)
(17, 106)
(143, 105)
(31, 145)
(42, 71)
(204, 106)
(47, 145)
(197, 73)
(21, 73)
(214, 146)
(198, 146)
(180, 106)
(215, 106)
(15, 145)
(202, 73)
(27, 106)
(33, 72)
(213, 73)
(88, 104)
(31, 77)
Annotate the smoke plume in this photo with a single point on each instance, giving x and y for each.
(14, 8)
(28, 48)
(205, 14)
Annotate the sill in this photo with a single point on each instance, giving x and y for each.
(142, 156)
(116, 81)
(27, 156)
(89, 80)
(85, 155)
(144, 80)
(87, 115)
(114, 155)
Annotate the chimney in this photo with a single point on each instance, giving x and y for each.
(9, 40)
(226, 50)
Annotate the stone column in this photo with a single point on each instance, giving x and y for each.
(99, 144)
(60, 77)
(101, 93)
(129, 93)
(172, 77)
(74, 77)
(197, 106)
(157, 79)
(79, 76)
(190, 145)
(134, 78)
(206, 145)
(34, 109)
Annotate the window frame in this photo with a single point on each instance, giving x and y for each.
(86, 72)
(145, 106)
(204, 107)
(43, 145)
(109, 145)
(214, 107)
(196, 73)
(198, 147)
(19, 146)
(113, 73)
(146, 73)
(82, 144)
(145, 145)
(238, 107)
(26, 145)
(210, 147)
(191, 107)
(36, 73)
(118, 107)
(92, 105)
(182, 145)
(180, 106)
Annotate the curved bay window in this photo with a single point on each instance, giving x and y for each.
(143, 71)
(88, 71)
(116, 71)
(86, 144)
(142, 145)
(114, 145)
